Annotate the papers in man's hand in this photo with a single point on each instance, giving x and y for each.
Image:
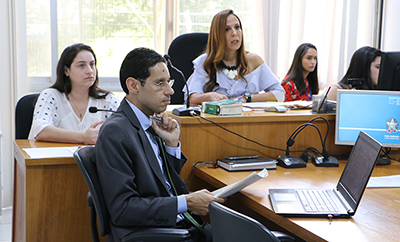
(237, 186)
(52, 152)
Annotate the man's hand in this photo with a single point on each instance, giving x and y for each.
(168, 130)
(197, 202)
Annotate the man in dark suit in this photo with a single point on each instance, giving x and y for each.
(132, 172)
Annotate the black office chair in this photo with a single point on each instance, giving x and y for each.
(230, 226)
(183, 50)
(85, 159)
(24, 115)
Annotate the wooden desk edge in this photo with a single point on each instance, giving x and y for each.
(255, 116)
(21, 156)
(286, 225)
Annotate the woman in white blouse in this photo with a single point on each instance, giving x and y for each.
(228, 71)
(61, 111)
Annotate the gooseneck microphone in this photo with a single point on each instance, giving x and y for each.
(288, 161)
(323, 159)
(182, 111)
(95, 110)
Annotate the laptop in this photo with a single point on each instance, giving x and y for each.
(341, 201)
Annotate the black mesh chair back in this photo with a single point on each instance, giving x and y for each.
(183, 50)
(24, 115)
(231, 226)
(84, 157)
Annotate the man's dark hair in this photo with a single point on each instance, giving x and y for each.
(137, 65)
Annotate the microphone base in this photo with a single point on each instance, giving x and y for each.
(290, 162)
(320, 161)
(184, 111)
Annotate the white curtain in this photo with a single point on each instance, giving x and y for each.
(391, 30)
(336, 27)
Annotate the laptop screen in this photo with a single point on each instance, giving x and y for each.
(375, 112)
(358, 169)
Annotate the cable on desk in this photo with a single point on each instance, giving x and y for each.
(312, 149)
(214, 164)
(241, 136)
(386, 154)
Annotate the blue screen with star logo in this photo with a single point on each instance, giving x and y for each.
(375, 112)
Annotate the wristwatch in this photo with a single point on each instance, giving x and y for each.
(247, 96)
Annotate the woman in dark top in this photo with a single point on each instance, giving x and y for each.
(364, 64)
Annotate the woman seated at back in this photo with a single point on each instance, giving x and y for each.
(61, 111)
(364, 66)
(301, 81)
(227, 70)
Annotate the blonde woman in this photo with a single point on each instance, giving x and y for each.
(227, 71)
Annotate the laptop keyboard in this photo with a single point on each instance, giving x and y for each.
(317, 201)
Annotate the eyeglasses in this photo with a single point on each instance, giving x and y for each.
(162, 84)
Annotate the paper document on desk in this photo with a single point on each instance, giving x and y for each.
(51, 152)
(384, 181)
(237, 186)
(261, 106)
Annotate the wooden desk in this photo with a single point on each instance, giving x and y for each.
(49, 197)
(377, 217)
(204, 141)
(50, 194)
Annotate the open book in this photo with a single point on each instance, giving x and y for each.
(237, 186)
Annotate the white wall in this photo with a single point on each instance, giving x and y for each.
(5, 100)
(13, 69)
(391, 29)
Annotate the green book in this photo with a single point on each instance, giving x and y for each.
(223, 107)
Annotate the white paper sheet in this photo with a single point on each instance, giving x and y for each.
(254, 106)
(52, 152)
(237, 186)
(384, 181)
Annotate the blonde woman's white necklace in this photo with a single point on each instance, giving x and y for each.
(230, 71)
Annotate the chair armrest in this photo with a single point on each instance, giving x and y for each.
(158, 234)
(282, 236)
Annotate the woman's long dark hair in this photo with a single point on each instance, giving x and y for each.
(360, 67)
(63, 83)
(295, 72)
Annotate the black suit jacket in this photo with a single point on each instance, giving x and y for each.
(132, 181)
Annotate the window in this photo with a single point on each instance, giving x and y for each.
(272, 28)
(113, 28)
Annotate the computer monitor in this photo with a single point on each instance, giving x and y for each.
(377, 113)
(389, 72)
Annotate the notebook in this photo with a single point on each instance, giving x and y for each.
(341, 201)
(258, 163)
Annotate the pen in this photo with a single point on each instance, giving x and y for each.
(160, 120)
(240, 98)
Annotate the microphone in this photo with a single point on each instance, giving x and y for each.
(95, 110)
(182, 111)
(323, 159)
(288, 161)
